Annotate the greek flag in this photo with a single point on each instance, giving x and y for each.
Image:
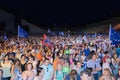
(114, 36)
(22, 32)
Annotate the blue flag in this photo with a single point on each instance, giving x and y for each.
(22, 32)
(114, 36)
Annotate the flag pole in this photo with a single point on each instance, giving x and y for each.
(18, 35)
(109, 32)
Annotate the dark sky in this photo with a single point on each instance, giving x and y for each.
(69, 13)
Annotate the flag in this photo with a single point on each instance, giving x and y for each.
(61, 33)
(46, 41)
(114, 36)
(5, 37)
(22, 32)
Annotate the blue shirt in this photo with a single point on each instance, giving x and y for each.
(118, 51)
(79, 70)
(48, 71)
(93, 64)
(87, 51)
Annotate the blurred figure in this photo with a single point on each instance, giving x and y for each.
(58, 74)
(6, 66)
(28, 74)
(23, 62)
(78, 67)
(107, 75)
(48, 70)
(16, 70)
(92, 63)
(85, 75)
(1, 74)
(40, 74)
(73, 75)
(118, 75)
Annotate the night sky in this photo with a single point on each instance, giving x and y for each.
(66, 13)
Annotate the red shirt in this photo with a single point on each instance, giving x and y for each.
(104, 58)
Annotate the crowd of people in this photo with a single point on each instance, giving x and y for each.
(73, 57)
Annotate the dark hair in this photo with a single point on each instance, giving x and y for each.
(91, 54)
(106, 52)
(39, 70)
(46, 59)
(89, 70)
(26, 66)
(23, 55)
(77, 62)
(73, 74)
(4, 58)
(32, 57)
(85, 72)
(17, 60)
(1, 71)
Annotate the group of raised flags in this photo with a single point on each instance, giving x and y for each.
(114, 35)
(21, 34)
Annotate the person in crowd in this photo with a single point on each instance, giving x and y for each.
(66, 68)
(61, 53)
(83, 57)
(92, 63)
(115, 61)
(11, 54)
(106, 65)
(28, 74)
(58, 74)
(78, 67)
(105, 57)
(33, 61)
(3, 53)
(40, 74)
(86, 50)
(18, 54)
(16, 70)
(101, 53)
(39, 55)
(85, 75)
(91, 76)
(73, 75)
(118, 75)
(23, 62)
(48, 70)
(1, 74)
(107, 75)
(71, 59)
(49, 55)
(6, 65)
(118, 50)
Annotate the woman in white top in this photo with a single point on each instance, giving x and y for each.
(28, 74)
(6, 66)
